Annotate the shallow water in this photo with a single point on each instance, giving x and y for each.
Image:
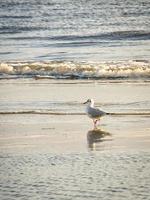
(128, 97)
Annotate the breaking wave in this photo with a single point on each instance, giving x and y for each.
(76, 70)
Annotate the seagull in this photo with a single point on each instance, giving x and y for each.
(94, 113)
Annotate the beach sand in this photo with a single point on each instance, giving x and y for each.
(61, 156)
(61, 133)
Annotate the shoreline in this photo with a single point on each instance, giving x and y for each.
(49, 123)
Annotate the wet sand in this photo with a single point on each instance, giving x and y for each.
(61, 133)
(65, 134)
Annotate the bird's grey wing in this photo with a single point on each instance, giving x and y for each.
(99, 112)
(95, 113)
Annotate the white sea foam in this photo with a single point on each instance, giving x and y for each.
(76, 70)
(6, 68)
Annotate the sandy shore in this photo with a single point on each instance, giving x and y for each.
(68, 133)
(62, 134)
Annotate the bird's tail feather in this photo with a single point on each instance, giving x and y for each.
(108, 113)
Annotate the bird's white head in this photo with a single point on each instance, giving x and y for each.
(89, 102)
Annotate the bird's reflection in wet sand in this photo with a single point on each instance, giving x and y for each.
(95, 137)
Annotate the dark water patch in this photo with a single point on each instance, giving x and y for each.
(3, 53)
(117, 35)
(79, 39)
(15, 17)
(8, 31)
(130, 113)
(17, 29)
(38, 112)
(41, 112)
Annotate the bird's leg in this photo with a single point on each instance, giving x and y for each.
(98, 121)
(95, 121)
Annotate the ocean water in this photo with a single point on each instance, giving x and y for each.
(54, 54)
(81, 31)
